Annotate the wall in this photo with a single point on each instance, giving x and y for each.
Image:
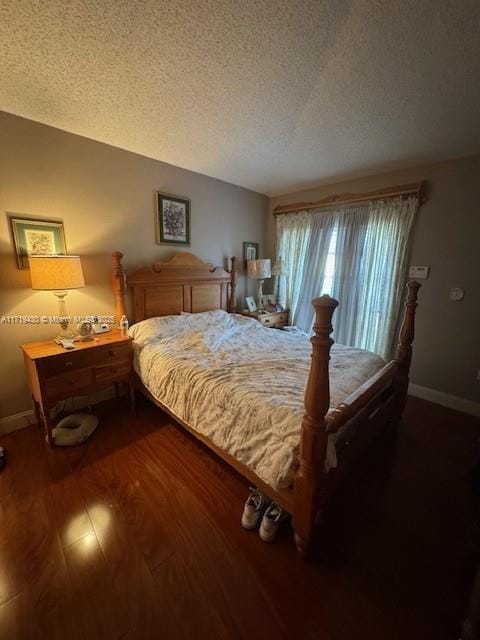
(104, 196)
(446, 237)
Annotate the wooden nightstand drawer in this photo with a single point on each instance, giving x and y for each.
(113, 372)
(275, 319)
(114, 353)
(65, 383)
(74, 360)
(267, 321)
(282, 319)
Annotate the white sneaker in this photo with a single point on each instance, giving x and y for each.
(272, 519)
(254, 509)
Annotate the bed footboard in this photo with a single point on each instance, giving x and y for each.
(387, 390)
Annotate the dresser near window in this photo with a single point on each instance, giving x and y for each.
(54, 374)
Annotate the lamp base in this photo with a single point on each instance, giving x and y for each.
(64, 334)
(260, 304)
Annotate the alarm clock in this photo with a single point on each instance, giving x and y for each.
(86, 331)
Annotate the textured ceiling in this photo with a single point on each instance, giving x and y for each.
(273, 95)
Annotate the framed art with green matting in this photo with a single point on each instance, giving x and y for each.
(36, 237)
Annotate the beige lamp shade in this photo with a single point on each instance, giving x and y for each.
(56, 273)
(259, 269)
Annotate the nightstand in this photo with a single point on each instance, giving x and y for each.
(273, 319)
(54, 374)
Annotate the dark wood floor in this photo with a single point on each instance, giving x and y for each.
(136, 534)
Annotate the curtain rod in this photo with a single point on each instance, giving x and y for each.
(415, 188)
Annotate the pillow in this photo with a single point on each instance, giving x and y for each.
(156, 328)
(207, 319)
(160, 327)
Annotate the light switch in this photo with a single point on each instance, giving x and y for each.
(419, 272)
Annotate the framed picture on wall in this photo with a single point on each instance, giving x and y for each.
(250, 251)
(36, 237)
(172, 218)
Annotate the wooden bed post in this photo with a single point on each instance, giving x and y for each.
(314, 436)
(404, 349)
(232, 306)
(118, 286)
(407, 330)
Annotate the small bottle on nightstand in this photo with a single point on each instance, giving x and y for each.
(124, 325)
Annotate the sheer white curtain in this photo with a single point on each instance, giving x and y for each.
(303, 240)
(347, 278)
(313, 274)
(373, 248)
(370, 244)
(293, 232)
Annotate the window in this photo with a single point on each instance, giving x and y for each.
(327, 285)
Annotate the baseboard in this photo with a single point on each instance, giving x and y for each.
(26, 418)
(445, 399)
(17, 421)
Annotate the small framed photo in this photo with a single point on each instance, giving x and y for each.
(172, 219)
(251, 304)
(250, 251)
(36, 237)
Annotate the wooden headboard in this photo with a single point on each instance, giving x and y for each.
(183, 283)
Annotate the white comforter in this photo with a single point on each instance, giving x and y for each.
(241, 384)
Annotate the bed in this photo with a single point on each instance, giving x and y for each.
(288, 422)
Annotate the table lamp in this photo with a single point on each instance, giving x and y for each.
(57, 274)
(259, 270)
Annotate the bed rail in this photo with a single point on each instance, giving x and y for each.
(383, 379)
